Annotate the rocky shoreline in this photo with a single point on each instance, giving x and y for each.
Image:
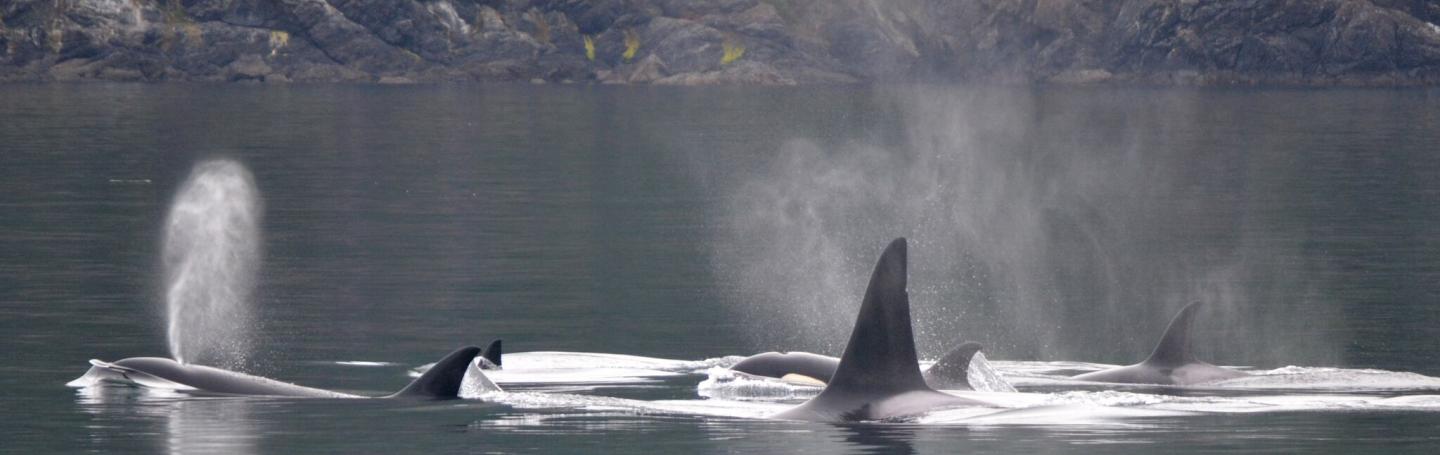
(700, 42)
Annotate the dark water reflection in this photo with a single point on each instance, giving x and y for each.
(403, 221)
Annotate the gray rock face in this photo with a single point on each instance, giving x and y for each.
(1165, 42)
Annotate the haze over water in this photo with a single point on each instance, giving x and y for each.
(400, 222)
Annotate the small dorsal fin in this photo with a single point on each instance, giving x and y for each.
(492, 352)
(444, 379)
(880, 357)
(952, 371)
(1174, 347)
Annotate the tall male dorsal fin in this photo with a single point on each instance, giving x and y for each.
(952, 371)
(878, 376)
(1174, 347)
(492, 352)
(880, 357)
(444, 379)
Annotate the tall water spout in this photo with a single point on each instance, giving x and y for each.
(1044, 227)
(212, 250)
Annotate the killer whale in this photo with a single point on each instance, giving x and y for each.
(441, 382)
(878, 377)
(1171, 363)
(800, 367)
(952, 371)
(949, 373)
(489, 359)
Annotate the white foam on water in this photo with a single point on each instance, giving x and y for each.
(984, 377)
(1326, 379)
(590, 368)
(1336, 379)
(727, 384)
(1420, 402)
(724, 383)
(363, 363)
(719, 408)
(579, 376)
(550, 360)
(725, 393)
(1048, 415)
(534, 401)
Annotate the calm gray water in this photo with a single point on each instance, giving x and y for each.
(694, 223)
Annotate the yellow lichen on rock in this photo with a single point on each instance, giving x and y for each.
(589, 48)
(632, 44)
(278, 39)
(733, 51)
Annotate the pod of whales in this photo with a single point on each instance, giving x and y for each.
(806, 368)
(1172, 362)
(440, 382)
(878, 377)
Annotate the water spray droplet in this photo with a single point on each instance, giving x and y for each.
(212, 250)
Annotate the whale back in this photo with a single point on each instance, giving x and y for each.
(779, 365)
(203, 379)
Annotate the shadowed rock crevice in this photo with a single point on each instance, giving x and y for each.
(1159, 42)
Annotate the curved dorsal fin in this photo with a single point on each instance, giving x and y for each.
(492, 352)
(1174, 347)
(952, 371)
(444, 379)
(880, 357)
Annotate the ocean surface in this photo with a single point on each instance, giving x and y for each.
(628, 243)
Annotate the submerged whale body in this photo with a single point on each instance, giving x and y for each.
(1171, 363)
(878, 376)
(950, 373)
(441, 382)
